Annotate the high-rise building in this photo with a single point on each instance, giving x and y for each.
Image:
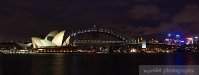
(177, 40)
(168, 40)
(189, 40)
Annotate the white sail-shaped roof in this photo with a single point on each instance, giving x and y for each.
(58, 38)
(34, 45)
(47, 43)
(23, 44)
(67, 42)
(53, 34)
(36, 42)
(29, 44)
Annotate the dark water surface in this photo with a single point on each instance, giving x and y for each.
(88, 64)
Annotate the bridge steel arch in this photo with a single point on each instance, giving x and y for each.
(105, 31)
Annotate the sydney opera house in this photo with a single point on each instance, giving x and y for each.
(53, 39)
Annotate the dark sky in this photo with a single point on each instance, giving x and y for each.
(22, 19)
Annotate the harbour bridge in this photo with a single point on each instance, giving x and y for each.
(99, 36)
(99, 39)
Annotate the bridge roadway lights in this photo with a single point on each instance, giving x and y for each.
(98, 41)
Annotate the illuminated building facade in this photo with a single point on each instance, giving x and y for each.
(57, 40)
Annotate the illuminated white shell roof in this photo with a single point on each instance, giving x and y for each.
(36, 42)
(53, 34)
(24, 45)
(58, 38)
(47, 43)
(67, 42)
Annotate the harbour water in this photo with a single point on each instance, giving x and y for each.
(88, 64)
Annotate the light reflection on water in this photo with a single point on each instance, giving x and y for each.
(89, 64)
(181, 59)
(40, 65)
(58, 64)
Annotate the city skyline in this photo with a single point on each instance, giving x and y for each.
(99, 40)
(24, 19)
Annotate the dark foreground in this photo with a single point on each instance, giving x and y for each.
(89, 64)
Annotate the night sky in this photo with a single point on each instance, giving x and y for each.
(22, 19)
